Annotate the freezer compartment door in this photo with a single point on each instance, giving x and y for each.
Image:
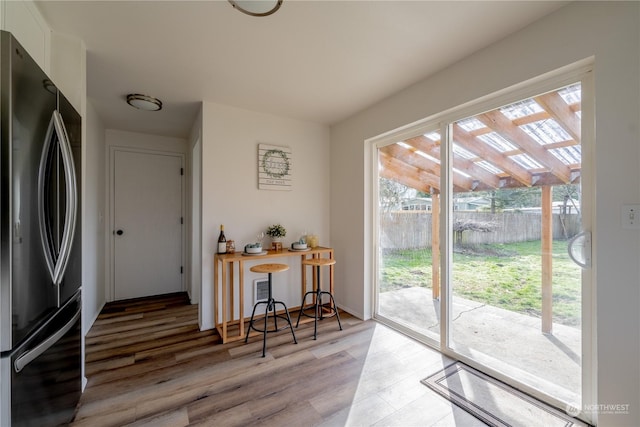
(46, 372)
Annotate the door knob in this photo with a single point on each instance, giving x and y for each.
(119, 232)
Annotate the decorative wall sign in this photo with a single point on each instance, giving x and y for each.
(274, 167)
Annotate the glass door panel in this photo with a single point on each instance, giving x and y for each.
(515, 293)
(408, 274)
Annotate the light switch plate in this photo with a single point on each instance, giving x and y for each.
(631, 216)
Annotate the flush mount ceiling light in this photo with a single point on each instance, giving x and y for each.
(144, 102)
(257, 7)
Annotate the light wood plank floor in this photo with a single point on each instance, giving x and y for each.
(149, 365)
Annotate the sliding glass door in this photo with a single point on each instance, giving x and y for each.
(408, 275)
(516, 296)
(475, 216)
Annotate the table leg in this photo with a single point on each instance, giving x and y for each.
(232, 299)
(225, 283)
(331, 273)
(216, 300)
(303, 279)
(241, 291)
(314, 277)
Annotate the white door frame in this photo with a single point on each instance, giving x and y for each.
(196, 223)
(109, 227)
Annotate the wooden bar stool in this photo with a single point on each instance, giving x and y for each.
(270, 306)
(318, 313)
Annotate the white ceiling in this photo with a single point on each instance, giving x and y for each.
(318, 61)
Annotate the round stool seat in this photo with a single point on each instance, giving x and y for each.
(269, 268)
(319, 262)
(270, 307)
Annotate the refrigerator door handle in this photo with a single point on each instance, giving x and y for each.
(57, 264)
(72, 198)
(29, 356)
(45, 228)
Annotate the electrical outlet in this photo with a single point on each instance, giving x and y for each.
(631, 216)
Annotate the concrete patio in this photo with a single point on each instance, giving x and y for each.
(506, 341)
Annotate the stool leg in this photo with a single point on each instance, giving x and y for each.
(318, 305)
(246, 338)
(304, 299)
(301, 308)
(319, 299)
(286, 310)
(315, 320)
(270, 307)
(319, 296)
(264, 333)
(335, 308)
(332, 301)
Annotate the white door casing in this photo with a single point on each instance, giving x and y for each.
(147, 217)
(196, 222)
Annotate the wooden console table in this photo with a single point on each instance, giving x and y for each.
(224, 290)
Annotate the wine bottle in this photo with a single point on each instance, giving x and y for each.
(222, 241)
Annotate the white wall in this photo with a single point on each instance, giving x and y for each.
(609, 31)
(230, 193)
(194, 212)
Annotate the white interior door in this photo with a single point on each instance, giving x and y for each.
(147, 224)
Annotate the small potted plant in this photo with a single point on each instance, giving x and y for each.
(276, 232)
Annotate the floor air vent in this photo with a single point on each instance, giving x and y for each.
(260, 290)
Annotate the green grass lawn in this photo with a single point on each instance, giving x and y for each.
(506, 276)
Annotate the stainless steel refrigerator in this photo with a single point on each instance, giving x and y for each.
(40, 245)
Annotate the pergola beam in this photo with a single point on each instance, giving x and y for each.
(562, 113)
(505, 128)
(539, 179)
(425, 145)
(478, 173)
(490, 154)
(482, 175)
(410, 157)
(410, 176)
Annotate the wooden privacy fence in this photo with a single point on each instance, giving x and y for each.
(412, 229)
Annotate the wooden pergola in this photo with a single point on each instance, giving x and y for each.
(532, 143)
